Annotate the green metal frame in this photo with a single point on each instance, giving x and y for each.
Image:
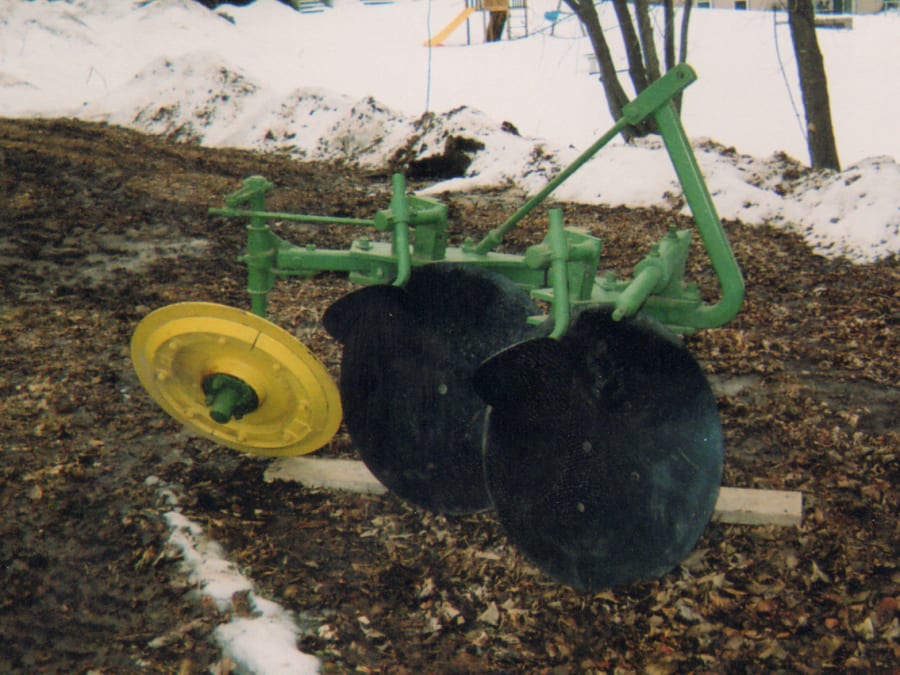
(562, 269)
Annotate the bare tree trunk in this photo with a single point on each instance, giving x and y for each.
(648, 46)
(616, 98)
(640, 48)
(685, 23)
(632, 46)
(813, 83)
(669, 18)
(683, 44)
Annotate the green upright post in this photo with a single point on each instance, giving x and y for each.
(559, 256)
(400, 209)
(261, 243)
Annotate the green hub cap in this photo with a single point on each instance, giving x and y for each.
(228, 397)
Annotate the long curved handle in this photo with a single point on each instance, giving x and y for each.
(731, 281)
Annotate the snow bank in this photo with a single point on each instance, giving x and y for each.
(353, 83)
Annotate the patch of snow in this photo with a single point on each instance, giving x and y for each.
(854, 213)
(184, 98)
(264, 643)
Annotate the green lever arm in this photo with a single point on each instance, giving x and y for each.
(493, 238)
(656, 101)
(731, 281)
(654, 96)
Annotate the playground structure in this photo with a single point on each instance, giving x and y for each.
(588, 427)
(497, 16)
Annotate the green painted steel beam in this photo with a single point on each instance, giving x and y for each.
(563, 269)
(709, 225)
(647, 102)
(295, 217)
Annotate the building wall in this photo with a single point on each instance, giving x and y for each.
(822, 6)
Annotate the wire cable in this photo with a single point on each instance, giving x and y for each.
(784, 77)
(428, 69)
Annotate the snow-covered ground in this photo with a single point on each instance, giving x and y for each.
(354, 81)
(262, 637)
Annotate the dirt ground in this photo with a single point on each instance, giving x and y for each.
(101, 225)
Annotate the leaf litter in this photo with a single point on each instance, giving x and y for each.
(380, 585)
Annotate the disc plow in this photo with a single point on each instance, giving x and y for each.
(588, 427)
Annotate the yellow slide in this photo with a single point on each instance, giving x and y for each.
(450, 27)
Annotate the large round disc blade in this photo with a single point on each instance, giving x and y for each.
(603, 452)
(175, 348)
(408, 359)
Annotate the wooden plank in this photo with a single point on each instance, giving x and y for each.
(332, 474)
(743, 506)
(740, 506)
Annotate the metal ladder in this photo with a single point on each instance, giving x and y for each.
(517, 19)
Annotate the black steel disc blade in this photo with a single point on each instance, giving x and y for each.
(408, 359)
(603, 451)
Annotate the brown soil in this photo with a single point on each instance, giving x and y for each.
(101, 225)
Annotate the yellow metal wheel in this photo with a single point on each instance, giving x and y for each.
(296, 407)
